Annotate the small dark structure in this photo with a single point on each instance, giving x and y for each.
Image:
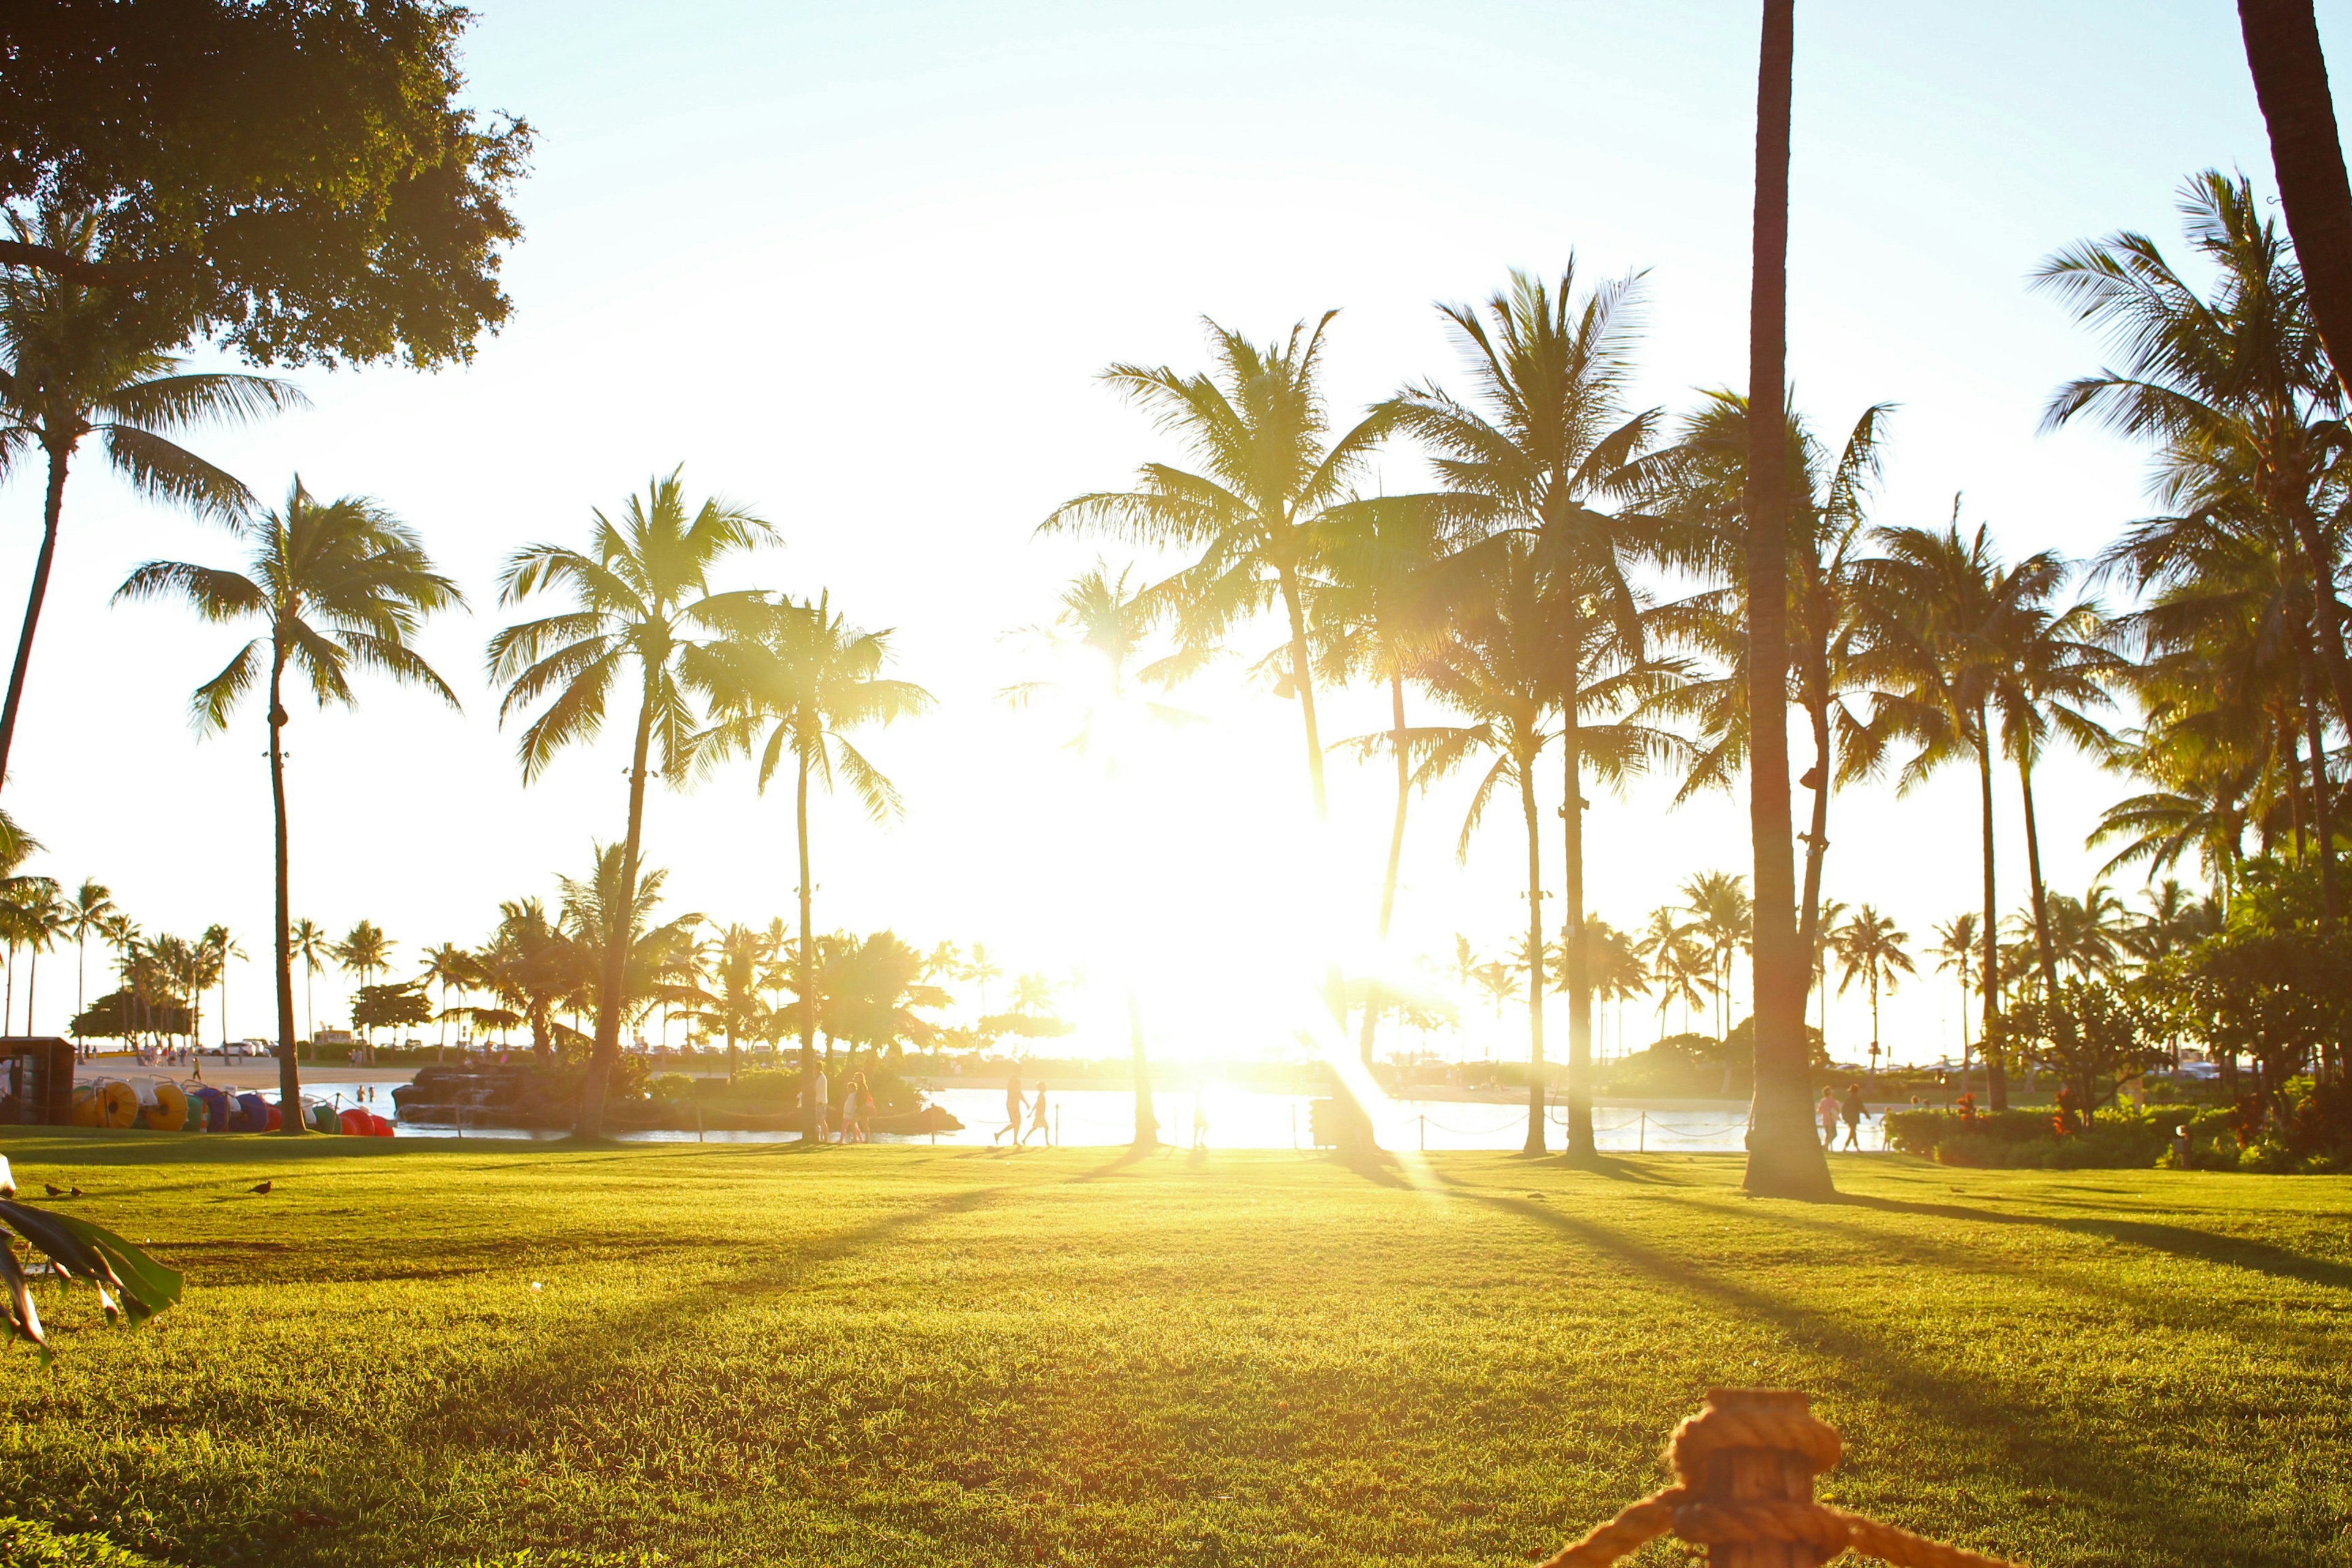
(37, 1076)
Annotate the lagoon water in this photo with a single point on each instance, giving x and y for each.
(1237, 1119)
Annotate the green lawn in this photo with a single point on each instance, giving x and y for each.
(746, 1354)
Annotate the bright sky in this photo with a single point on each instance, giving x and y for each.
(857, 267)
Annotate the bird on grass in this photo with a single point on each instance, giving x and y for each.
(54, 1190)
(76, 1192)
(262, 1186)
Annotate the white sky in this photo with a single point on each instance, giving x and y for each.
(858, 266)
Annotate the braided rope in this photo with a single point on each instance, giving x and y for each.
(1820, 1528)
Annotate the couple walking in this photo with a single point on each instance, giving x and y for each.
(1831, 1110)
(1014, 1111)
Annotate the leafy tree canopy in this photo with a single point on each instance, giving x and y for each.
(120, 1015)
(293, 178)
(390, 1007)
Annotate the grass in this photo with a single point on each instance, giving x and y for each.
(747, 1354)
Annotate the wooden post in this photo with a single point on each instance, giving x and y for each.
(1757, 1475)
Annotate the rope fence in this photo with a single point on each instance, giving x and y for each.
(1744, 1468)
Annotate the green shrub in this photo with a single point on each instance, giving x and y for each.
(2118, 1140)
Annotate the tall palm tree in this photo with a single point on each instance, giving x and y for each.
(789, 686)
(1869, 948)
(364, 952)
(337, 585)
(307, 943)
(448, 964)
(85, 914)
(1544, 434)
(1932, 601)
(1494, 667)
(1107, 625)
(1954, 954)
(1784, 1157)
(640, 592)
(81, 361)
(1268, 471)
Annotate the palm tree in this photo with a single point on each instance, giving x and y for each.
(336, 585)
(604, 910)
(1259, 430)
(1932, 603)
(1698, 486)
(1831, 915)
(1869, 948)
(308, 942)
(121, 933)
(1375, 616)
(1494, 667)
(2244, 367)
(1723, 917)
(364, 952)
(790, 684)
(1678, 963)
(1107, 625)
(219, 947)
(80, 361)
(1545, 434)
(534, 967)
(1955, 952)
(86, 915)
(980, 970)
(36, 919)
(1784, 1157)
(449, 964)
(639, 590)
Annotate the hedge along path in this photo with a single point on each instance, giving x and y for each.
(1744, 1468)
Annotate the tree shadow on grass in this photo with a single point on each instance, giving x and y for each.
(2176, 1241)
(2146, 1527)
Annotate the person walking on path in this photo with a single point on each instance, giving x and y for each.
(1012, 1113)
(1852, 1110)
(1037, 1119)
(821, 1097)
(1827, 1111)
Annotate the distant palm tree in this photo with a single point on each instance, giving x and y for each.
(1546, 435)
(1722, 916)
(448, 964)
(980, 970)
(219, 947)
(336, 585)
(35, 920)
(122, 933)
(1954, 954)
(308, 942)
(85, 914)
(1831, 913)
(659, 967)
(1259, 429)
(1498, 982)
(789, 684)
(80, 361)
(1869, 948)
(1679, 966)
(1494, 668)
(364, 952)
(641, 591)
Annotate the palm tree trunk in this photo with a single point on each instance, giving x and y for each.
(1817, 839)
(1784, 1156)
(289, 1071)
(81, 982)
(2043, 948)
(1372, 997)
(1988, 971)
(2323, 826)
(2290, 75)
(52, 509)
(1302, 677)
(1535, 1143)
(1147, 1119)
(606, 1054)
(1576, 958)
(810, 1111)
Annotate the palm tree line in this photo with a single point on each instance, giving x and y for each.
(1576, 587)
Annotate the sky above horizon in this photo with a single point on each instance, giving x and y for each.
(857, 267)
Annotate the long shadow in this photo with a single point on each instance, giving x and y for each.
(1610, 1167)
(2142, 1528)
(2176, 1241)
